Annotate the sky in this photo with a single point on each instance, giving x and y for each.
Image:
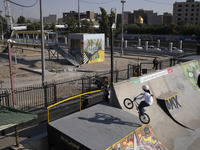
(60, 6)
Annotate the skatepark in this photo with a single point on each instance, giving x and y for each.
(174, 125)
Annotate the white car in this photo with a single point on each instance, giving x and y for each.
(137, 47)
(177, 49)
(151, 47)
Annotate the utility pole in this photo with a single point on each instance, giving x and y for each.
(42, 44)
(8, 16)
(122, 18)
(1, 26)
(79, 18)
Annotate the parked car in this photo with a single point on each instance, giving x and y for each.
(151, 47)
(137, 47)
(177, 50)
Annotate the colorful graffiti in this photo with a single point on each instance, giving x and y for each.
(93, 50)
(141, 139)
(192, 73)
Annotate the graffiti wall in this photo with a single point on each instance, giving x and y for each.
(93, 48)
(142, 138)
(192, 73)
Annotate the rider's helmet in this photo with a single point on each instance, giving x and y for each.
(145, 87)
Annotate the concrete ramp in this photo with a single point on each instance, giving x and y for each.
(170, 126)
(95, 128)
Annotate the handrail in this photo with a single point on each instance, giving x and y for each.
(70, 99)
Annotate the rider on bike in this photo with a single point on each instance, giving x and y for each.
(147, 97)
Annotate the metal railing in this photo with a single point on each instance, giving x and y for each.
(92, 92)
(34, 97)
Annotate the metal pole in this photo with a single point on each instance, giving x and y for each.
(79, 19)
(122, 18)
(111, 48)
(11, 75)
(1, 25)
(42, 44)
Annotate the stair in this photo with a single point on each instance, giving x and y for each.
(63, 51)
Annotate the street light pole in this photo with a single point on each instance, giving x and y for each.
(122, 18)
(79, 22)
(42, 44)
(1, 25)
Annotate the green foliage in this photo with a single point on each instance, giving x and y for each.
(71, 22)
(3, 23)
(87, 27)
(33, 26)
(21, 20)
(104, 23)
(170, 29)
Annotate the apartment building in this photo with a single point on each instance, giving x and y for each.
(186, 12)
(50, 19)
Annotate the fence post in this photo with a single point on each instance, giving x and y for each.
(55, 93)
(7, 100)
(82, 85)
(160, 65)
(140, 69)
(128, 72)
(89, 83)
(117, 74)
(45, 95)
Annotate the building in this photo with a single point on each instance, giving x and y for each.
(73, 14)
(166, 18)
(186, 12)
(148, 16)
(153, 18)
(50, 19)
(87, 48)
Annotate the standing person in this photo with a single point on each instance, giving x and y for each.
(148, 99)
(155, 64)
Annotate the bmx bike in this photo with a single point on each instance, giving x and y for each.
(129, 104)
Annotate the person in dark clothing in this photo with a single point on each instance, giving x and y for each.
(155, 64)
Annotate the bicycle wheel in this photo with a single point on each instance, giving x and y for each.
(144, 118)
(128, 103)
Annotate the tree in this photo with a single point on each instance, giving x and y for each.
(21, 20)
(87, 27)
(104, 23)
(33, 26)
(71, 22)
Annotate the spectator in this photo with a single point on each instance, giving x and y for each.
(155, 64)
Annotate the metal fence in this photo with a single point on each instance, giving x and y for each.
(36, 97)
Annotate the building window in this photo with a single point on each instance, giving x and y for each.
(196, 18)
(191, 19)
(192, 14)
(197, 14)
(179, 9)
(179, 5)
(192, 9)
(178, 19)
(179, 14)
(193, 5)
(186, 10)
(186, 14)
(185, 19)
(186, 5)
(197, 9)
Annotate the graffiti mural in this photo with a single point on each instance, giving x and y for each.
(93, 50)
(192, 73)
(141, 139)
